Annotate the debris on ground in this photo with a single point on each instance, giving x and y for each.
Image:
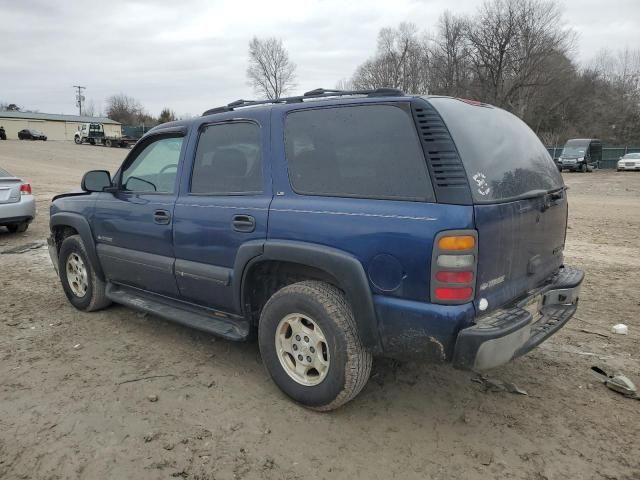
(25, 247)
(152, 398)
(620, 329)
(618, 383)
(494, 385)
(77, 346)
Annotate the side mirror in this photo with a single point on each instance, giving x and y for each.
(96, 181)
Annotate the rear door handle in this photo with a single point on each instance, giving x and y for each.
(161, 217)
(244, 223)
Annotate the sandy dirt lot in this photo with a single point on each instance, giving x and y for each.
(68, 407)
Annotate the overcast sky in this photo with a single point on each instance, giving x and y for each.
(191, 55)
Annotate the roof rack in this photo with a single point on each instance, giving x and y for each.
(316, 93)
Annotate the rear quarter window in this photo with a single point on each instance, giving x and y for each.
(363, 151)
(502, 156)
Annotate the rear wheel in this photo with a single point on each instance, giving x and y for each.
(92, 141)
(107, 143)
(18, 227)
(310, 345)
(84, 289)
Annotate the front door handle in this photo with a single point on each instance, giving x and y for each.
(244, 223)
(161, 217)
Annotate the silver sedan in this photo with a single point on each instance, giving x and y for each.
(17, 205)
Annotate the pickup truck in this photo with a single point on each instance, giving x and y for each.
(336, 226)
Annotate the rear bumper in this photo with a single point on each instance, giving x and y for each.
(19, 212)
(509, 333)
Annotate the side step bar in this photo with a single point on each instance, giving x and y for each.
(231, 327)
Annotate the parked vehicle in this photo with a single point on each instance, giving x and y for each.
(93, 133)
(3, 134)
(30, 134)
(630, 161)
(580, 154)
(17, 206)
(336, 225)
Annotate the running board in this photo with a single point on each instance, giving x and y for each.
(231, 327)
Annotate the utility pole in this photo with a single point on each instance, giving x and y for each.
(79, 97)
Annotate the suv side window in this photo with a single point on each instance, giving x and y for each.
(155, 168)
(364, 151)
(228, 160)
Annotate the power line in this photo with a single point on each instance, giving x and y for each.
(79, 97)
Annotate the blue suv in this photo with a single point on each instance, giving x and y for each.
(336, 226)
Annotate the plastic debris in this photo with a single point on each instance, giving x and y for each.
(620, 329)
(493, 385)
(618, 383)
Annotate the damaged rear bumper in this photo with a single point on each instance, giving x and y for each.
(508, 333)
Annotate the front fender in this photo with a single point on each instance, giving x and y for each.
(81, 225)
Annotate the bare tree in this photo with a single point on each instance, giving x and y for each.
(124, 109)
(450, 57)
(167, 115)
(512, 42)
(271, 73)
(90, 109)
(401, 61)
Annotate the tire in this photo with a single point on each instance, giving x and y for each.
(348, 363)
(18, 227)
(92, 141)
(94, 296)
(107, 143)
(78, 140)
(583, 168)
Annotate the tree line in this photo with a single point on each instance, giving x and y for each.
(515, 54)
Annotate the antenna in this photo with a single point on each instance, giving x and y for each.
(79, 97)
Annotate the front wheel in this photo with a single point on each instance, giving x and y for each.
(583, 168)
(78, 140)
(107, 143)
(310, 345)
(84, 289)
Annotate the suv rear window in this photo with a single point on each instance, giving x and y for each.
(364, 151)
(502, 156)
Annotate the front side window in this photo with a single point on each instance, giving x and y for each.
(228, 160)
(154, 170)
(364, 151)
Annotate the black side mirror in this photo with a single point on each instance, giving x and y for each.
(96, 181)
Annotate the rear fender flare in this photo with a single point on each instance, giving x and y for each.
(81, 225)
(344, 267)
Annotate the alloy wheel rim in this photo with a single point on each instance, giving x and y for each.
(302, 349)
(77, 276)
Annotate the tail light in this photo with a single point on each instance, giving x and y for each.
(454, 267)
(25, 189)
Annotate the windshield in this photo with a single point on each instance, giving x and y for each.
(632, 156)
(502, 156)
(575, 148)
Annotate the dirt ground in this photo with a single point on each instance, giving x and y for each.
(69, 407)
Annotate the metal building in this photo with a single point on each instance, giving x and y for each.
(54, 126)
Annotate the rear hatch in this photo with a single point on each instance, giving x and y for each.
(519, 199)
(9, 188)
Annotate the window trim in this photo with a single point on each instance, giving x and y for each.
(405, 107)
(139, 148)
(230, 121)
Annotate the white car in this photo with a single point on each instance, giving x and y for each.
(631, 161)
(17, 206)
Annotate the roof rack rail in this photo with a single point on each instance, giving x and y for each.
(316, 93)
